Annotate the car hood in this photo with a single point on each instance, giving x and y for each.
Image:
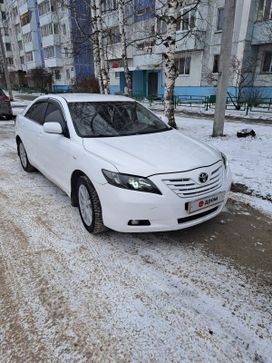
(149, 154)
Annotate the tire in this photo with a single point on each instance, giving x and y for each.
(89, 206)
(24, 159)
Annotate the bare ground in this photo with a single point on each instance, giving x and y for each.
(202, 294)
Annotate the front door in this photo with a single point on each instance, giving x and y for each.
(152, 84)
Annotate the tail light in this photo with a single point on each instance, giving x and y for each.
(4, 98)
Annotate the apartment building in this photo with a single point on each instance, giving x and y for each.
(197, 50)
(41, 35)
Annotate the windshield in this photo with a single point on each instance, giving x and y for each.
(106, 119)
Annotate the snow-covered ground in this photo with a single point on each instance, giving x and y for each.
(68, 296)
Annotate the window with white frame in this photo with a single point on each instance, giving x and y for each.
(46, 30)
(220, 19)
(49, 52)
(29, 56)
(27, 37)
(265, 10)
(183, 65)
(68, 76)
(22, 60)
(267, 62)
(44, 7)
(187, 19)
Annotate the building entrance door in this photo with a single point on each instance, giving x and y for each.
(152, 84)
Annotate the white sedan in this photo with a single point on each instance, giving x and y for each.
(120, 164)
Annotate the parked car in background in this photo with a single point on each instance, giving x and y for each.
(121, 164)
(5, 106)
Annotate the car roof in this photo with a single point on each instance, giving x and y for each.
(89, 97)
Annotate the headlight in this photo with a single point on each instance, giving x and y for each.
(225, 160)
(131, 182)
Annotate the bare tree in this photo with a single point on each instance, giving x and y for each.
(171, 15)
(121, 9)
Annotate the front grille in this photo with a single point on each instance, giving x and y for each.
(189, 185)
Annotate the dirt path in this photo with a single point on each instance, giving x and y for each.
(203, 294)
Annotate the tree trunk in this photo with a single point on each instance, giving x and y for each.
(121, 5)
(169, 67)
(95, 46)
(103, 68)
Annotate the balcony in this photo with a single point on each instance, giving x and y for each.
(51, 39)
(262, 33)
(53, 62)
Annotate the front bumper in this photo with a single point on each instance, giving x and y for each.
(166, 212)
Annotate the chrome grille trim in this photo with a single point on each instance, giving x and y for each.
(189, 185)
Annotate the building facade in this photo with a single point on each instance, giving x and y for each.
(197, 49)
(40, 35)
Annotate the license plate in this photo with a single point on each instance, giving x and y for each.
(203, 203)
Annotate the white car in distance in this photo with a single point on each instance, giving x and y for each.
(120, 164)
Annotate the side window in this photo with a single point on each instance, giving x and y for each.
(54, 114)
(36, 112)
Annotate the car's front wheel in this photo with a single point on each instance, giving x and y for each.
(24, 159)
(89, 206)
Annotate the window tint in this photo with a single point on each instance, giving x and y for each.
(54, 114)
(107, 119)
(36, 112)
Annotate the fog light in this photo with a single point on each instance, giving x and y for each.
(139, 222)
(133, 222)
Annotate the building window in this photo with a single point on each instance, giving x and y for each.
(27, 37)
(216, 63)
(113, 35)
(187, 19)
(57, 74)
(68, 74)
(56, 28)
(66, 53)
(47, 30)
(116, 75)
(6, 31)
(22, 60)
(8, 47)
(183, 65)
(220, 19)
(267, 62)
(29, 56)
(63, 27)
(44, 7)
(265, 10)
(17, 28)
(10, 61)
(25, 18)
(109, 5)
(4, 15)
(49, 52)
(20, 45)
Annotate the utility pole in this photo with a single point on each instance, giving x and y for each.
(224, 68)
(5, 66)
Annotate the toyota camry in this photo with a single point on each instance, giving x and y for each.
(120, 164)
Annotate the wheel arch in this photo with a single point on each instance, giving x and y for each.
(74, 179)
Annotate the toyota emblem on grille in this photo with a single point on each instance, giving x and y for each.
(203, 177)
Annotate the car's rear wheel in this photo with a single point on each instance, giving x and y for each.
(24, 159)
(89, 206)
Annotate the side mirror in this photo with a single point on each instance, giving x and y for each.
(52, 128)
